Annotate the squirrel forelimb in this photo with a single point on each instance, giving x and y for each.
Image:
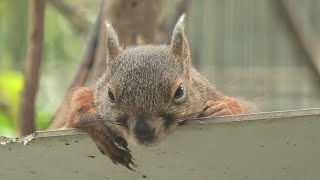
(145, 93)
(223, 107)
(83, 114)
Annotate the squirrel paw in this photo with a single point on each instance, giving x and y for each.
(109, 144)
(83, 115)
(115, 147)
(223, 107)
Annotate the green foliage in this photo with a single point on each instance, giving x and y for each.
(61, 54)
(57, 48)
(11, 84)
(42, 119)
(10, 87)
(6, 127)
(13, 26)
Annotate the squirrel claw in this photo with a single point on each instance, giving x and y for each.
(223, 107)
(119, 156)
(216, 109)
(121, 142)
(116, 149)
(131, 163)
(83, 115)
(109, 143)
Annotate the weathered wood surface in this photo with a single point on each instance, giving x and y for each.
(278, 146)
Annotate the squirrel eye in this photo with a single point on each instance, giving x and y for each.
(179, 92)
(111, 96)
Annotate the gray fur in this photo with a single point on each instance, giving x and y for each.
(113, 45)
(144, 79)
(180, 48)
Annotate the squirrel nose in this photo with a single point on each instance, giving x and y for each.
(143, 131)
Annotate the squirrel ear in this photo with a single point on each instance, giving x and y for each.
(179, 44)
(113, 46)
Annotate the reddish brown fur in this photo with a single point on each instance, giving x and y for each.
(83, 115)
(235, 107)
(81, 100)
(88, 108)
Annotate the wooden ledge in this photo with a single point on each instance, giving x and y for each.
(274, 145)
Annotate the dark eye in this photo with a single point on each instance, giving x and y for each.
(179, 92)
(111, 96)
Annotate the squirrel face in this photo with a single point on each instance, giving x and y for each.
(144, 93)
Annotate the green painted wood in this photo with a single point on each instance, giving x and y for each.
(278, 146)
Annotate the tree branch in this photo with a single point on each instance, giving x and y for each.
(138, 24)
(84, 68)
(32, 66)
(170, 20)
(78, 21)
(308, 44)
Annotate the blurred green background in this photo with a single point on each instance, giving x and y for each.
(62, 50)
(245, 47)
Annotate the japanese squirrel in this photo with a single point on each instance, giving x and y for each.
(144, 94)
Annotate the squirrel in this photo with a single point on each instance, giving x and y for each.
(144, 94)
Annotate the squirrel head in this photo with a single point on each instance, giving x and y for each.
(145, 92)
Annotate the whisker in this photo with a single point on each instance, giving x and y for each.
(188, 109)
(180, 119)
(91, 122)
(229, 83)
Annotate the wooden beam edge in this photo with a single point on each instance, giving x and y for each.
(200, 121)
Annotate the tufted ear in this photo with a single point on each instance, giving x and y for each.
(113, 46)
(179, 45)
